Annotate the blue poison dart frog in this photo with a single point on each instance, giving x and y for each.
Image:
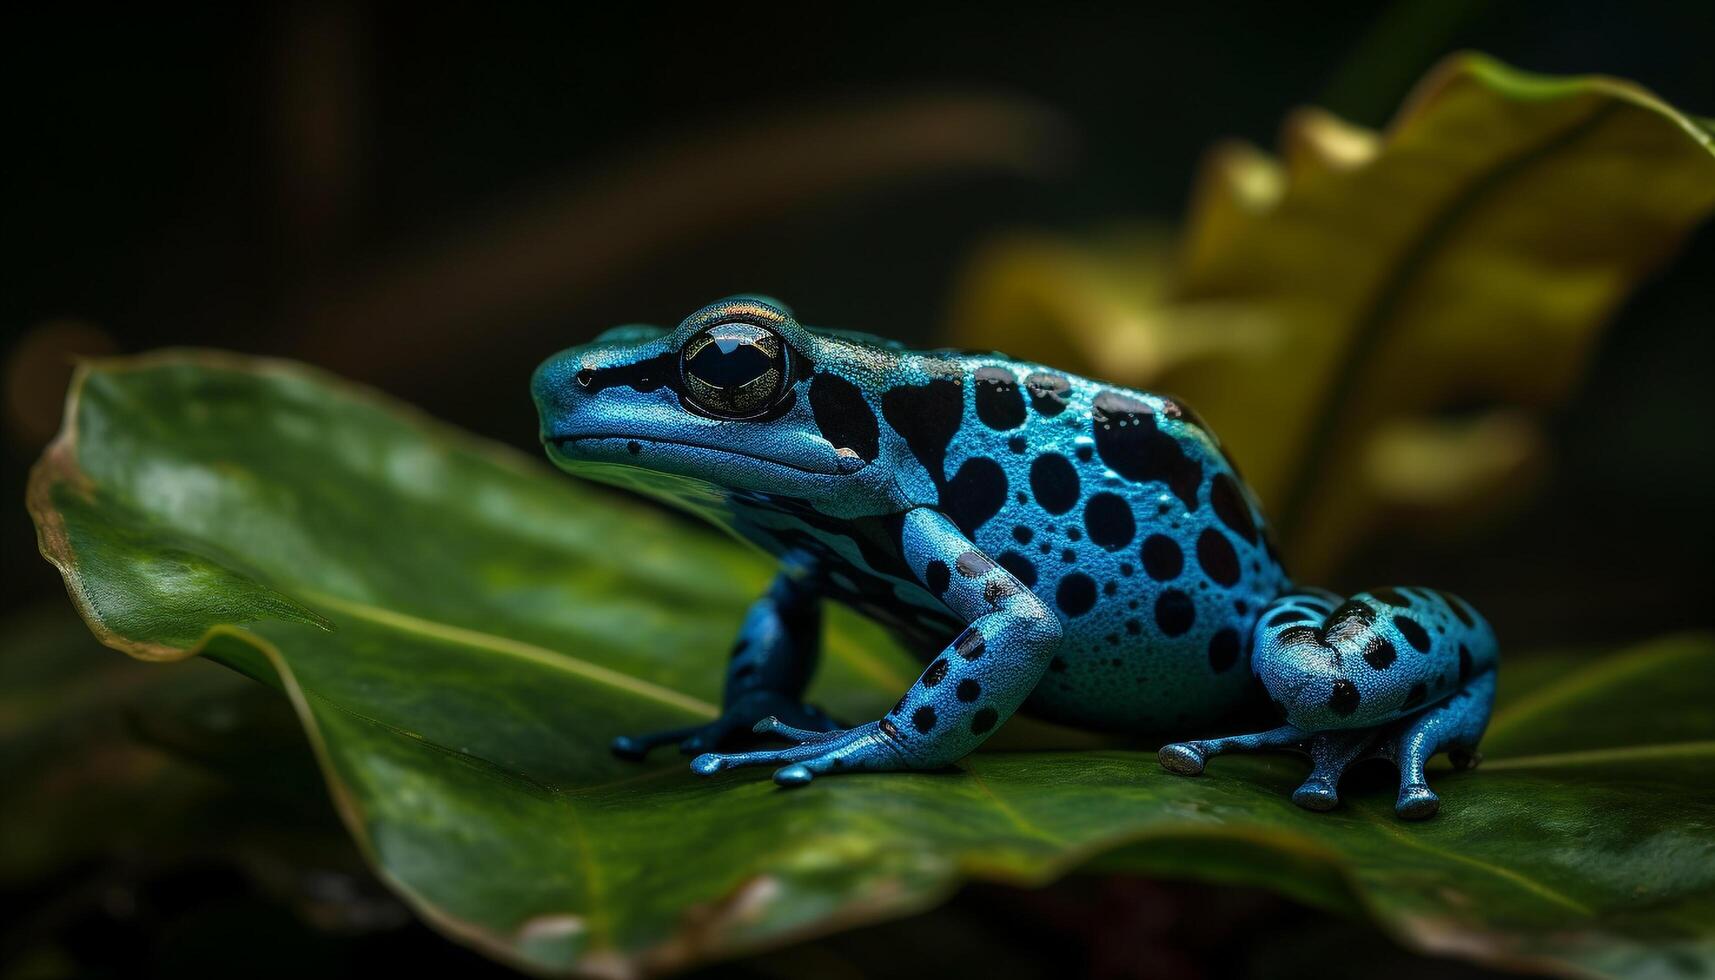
(1078, 550)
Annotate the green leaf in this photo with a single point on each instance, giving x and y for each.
(1328, 310)
(461, 632)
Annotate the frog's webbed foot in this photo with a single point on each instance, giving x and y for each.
(734, 725)
(1452, 726)
(866, 747)
(1331, 754)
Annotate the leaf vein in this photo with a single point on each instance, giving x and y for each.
(1017, 819)
(1670, 750)
(1387, 823)
(543, 656)
(1371, 329)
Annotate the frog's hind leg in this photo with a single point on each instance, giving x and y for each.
(1455, 725)
(1393, 673)
(1330, 754)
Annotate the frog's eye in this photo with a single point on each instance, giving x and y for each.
(735, 370)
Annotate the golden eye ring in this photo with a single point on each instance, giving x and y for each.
(735, 369)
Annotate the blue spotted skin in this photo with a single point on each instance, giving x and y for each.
(1082, 551)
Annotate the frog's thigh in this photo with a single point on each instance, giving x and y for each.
(1378, 656)
(1397, 673)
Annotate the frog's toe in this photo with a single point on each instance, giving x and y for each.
(710, 763)
(736, 723)
(796, 774)
(629, 748)
(801, 773)
(690, 739)
(1316, 794)
(634, 748)
(774, 726)
(864, 747)
(1417, 802)
(1183, 758)
(713, 735)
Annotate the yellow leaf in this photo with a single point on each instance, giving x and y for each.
(1321, 305)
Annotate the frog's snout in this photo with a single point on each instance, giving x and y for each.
(546, 394)
(559, 386)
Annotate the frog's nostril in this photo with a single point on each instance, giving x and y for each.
(585, 378)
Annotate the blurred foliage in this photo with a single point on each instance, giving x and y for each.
(150, 811)
(460, 664)
(1376, 323)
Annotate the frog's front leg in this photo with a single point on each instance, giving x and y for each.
(772, 661)
(974, 685)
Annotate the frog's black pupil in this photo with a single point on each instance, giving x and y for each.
(728, 363)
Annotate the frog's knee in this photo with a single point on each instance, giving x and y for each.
(1313, 689)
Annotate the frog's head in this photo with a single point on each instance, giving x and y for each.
(734, 397)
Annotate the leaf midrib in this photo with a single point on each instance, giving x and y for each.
(540, 655)
(1376, 317)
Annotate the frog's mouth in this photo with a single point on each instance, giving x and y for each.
(633, 444)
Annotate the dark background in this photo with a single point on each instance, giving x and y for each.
(432, 200)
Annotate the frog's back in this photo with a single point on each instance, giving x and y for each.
(1122, 513)
(1117, 507)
